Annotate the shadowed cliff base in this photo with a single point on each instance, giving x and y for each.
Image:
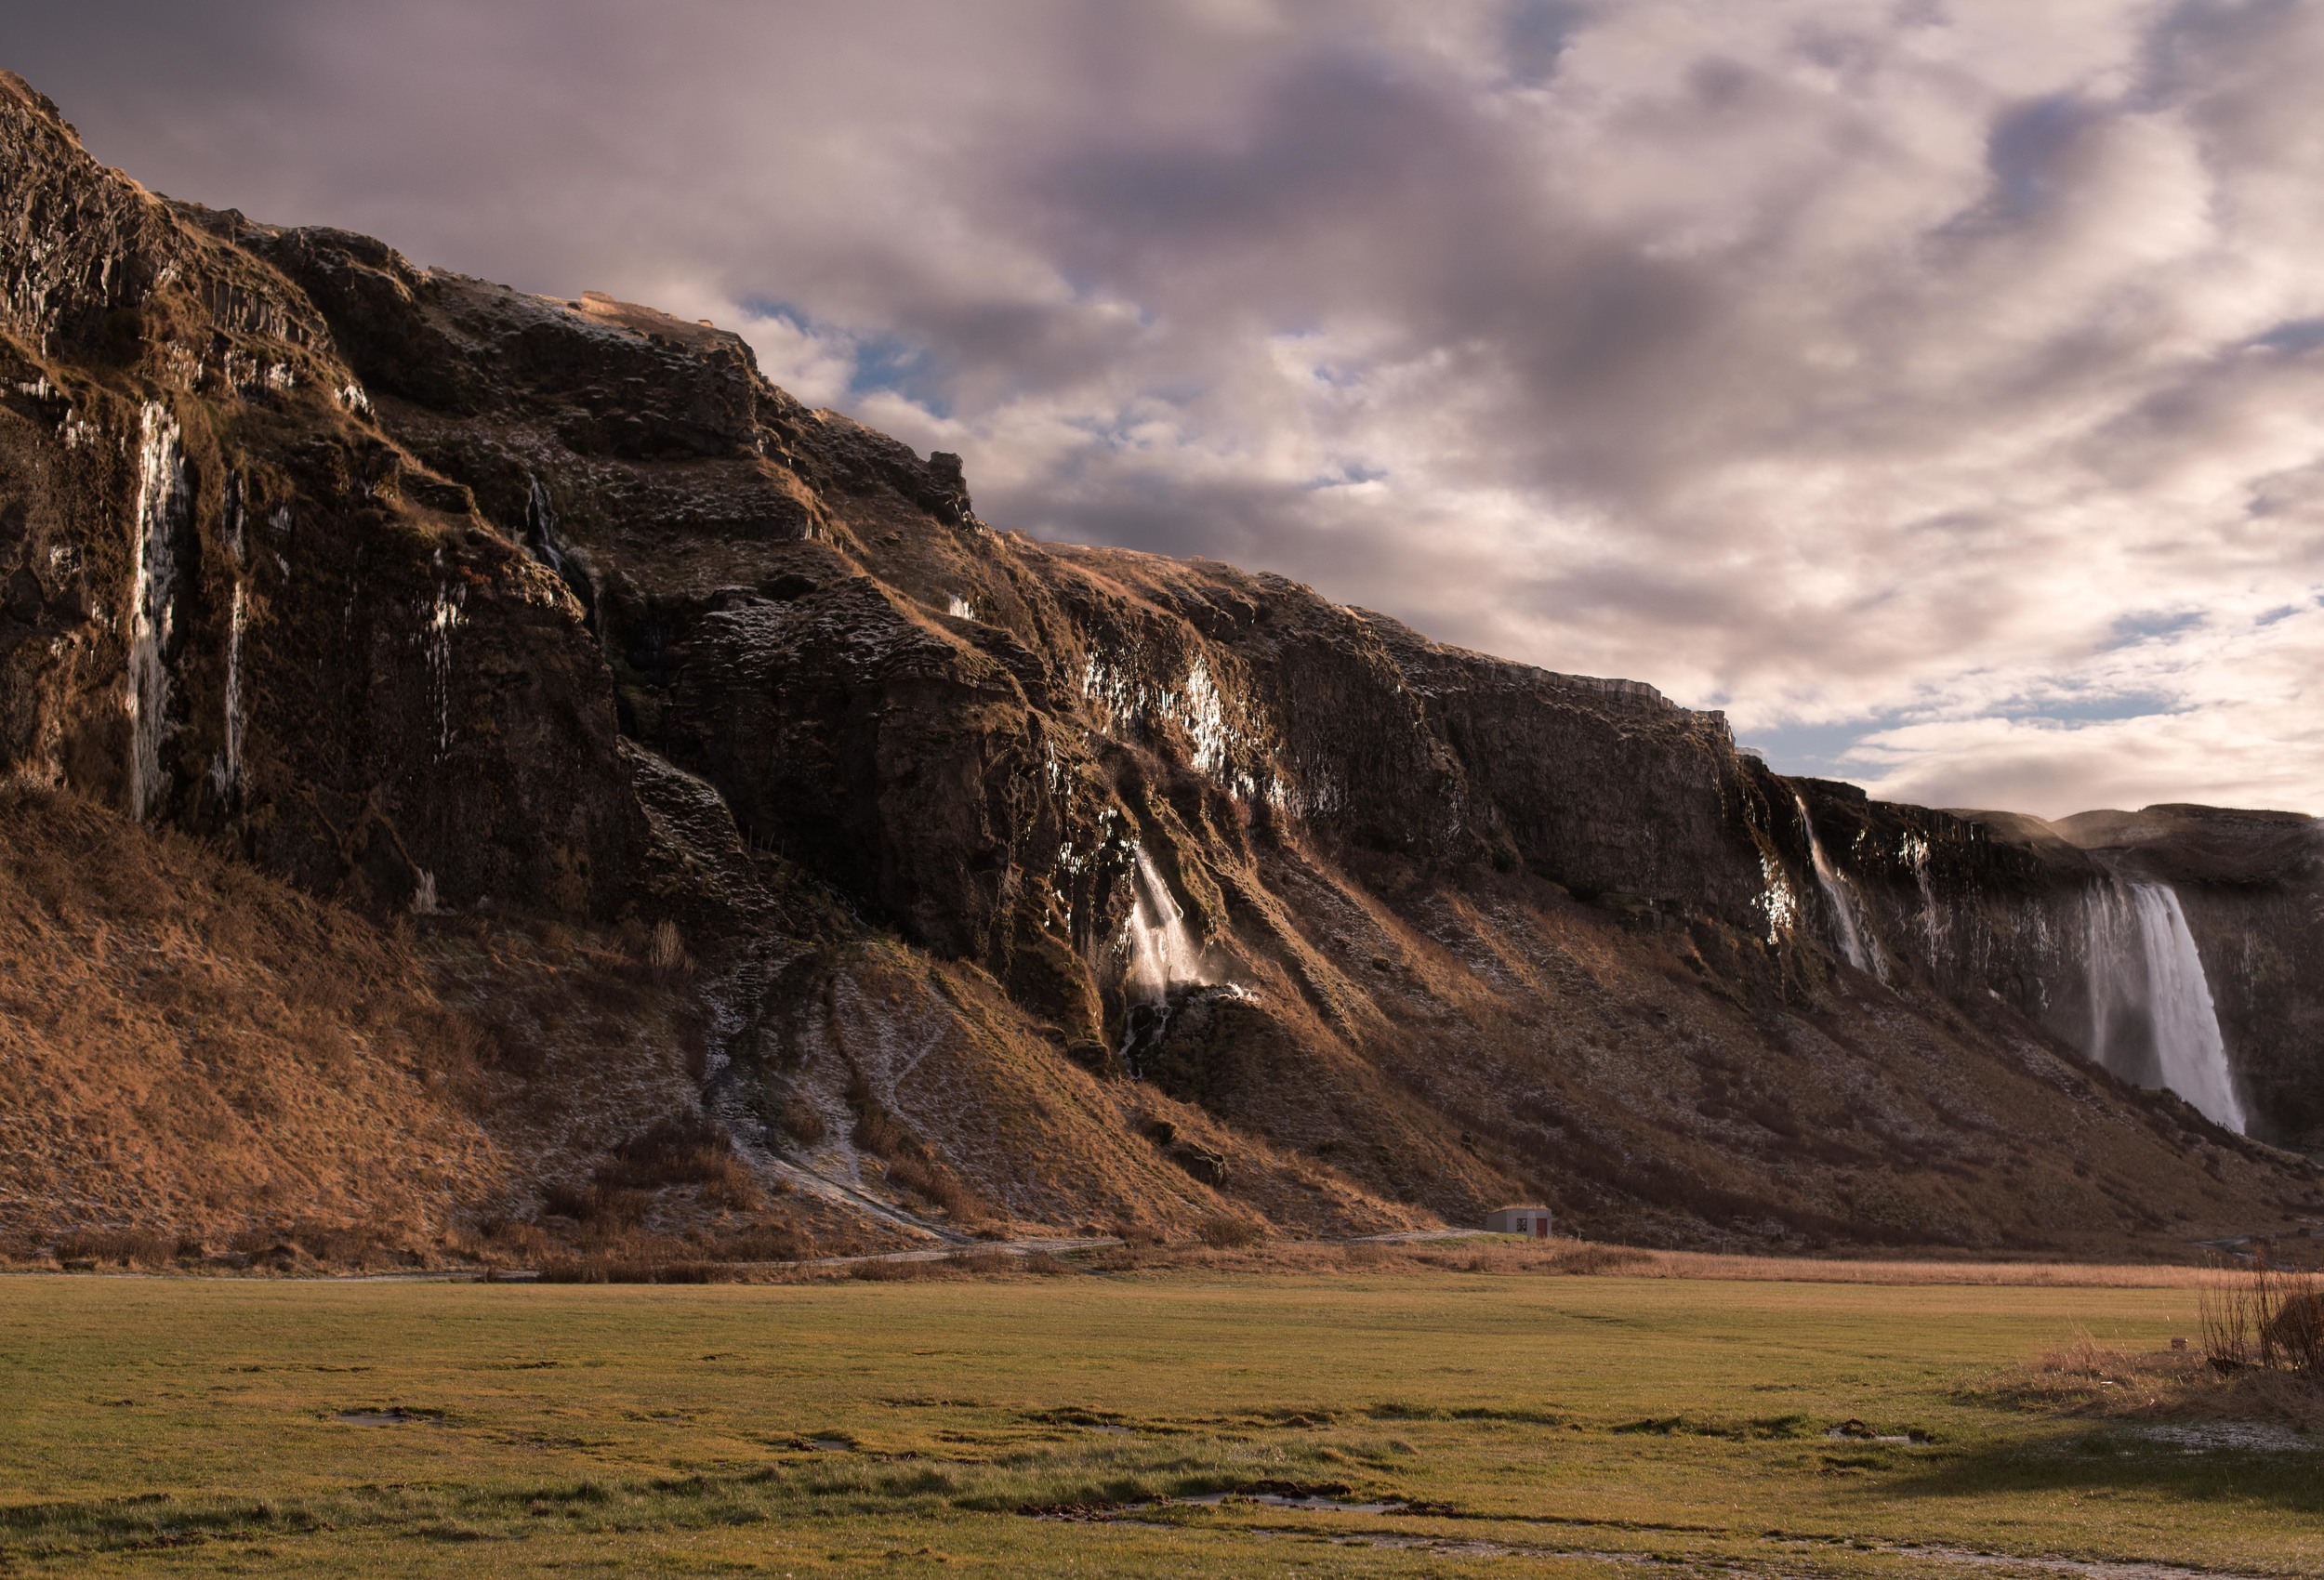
(776, 849)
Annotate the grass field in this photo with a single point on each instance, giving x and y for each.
(1537, 1425)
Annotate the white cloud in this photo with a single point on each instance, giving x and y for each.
(1870, 369)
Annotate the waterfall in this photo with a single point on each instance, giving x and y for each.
(547, 544)
(162, 489)
(226, 772)
(2151, 1016)
(441, 620)
(1839, 899)
(1163, 954)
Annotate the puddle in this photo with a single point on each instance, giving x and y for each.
(1285, 1500)
(1450, 1546)
(1291, 1497)
(1856, 1431)
(2257, 1436)
(394, 1414)
(828, 1445)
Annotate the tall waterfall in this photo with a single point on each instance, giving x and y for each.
(2151, 1016)
(1839, 899)
(162, 496)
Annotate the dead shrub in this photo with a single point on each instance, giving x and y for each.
(603, 1207)
(877, 1131)
(446, 1046)
(2266, 1316)
(665, 952)
(687, 1151)
(345, 1245)
(888, 1272)
(122, 1248)
(804, 1122)
(1223, 1233)
(501, 1240)
(611, 1268)
(929, 1178)
(767, 1243)
(1587, 1258)
(568, 1201)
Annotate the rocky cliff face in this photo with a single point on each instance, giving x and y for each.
(1025, 883)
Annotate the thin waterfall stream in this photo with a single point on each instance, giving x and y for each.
(1839, 899)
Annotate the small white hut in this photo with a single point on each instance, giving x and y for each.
(1520, 1220)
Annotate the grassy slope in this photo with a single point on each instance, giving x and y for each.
(199, 1055)
(626, 1430)
(188, 1045)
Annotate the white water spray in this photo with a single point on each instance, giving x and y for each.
(2152, 1018)
(1163, 954)
(1839, 899)
(162, 489)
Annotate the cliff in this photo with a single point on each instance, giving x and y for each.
(978, 882)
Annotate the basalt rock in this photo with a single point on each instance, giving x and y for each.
(987, 855)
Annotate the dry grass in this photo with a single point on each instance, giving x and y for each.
(2084, 1377)
(190, 1049)
(1501, 1254)
(2266, 1317)
(615, 1269)
(983, 1262)
(202, 1069)
(1812, 1270)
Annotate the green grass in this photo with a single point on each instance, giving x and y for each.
(191, 1425)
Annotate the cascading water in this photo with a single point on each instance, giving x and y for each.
(162, 491)
(1163, 954)
(2151, 1016)
(548, 546)
(226, 772)
(1839, 899)
(442, 619)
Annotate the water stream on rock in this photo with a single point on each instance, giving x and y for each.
(1839, 899)
(162, 492)
(1163, 954)
(2152, 1019)
(226, 772)
(226, 768)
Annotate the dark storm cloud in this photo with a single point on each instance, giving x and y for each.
(1859, 368)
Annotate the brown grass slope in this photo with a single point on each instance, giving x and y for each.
(190, 1051)
(188, 1045)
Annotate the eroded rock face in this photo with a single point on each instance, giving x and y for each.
(426, 594)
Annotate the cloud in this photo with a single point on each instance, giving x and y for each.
(1937, 386)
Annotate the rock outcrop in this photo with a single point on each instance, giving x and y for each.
(1021, 883)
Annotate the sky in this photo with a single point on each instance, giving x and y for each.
(1935, 386)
